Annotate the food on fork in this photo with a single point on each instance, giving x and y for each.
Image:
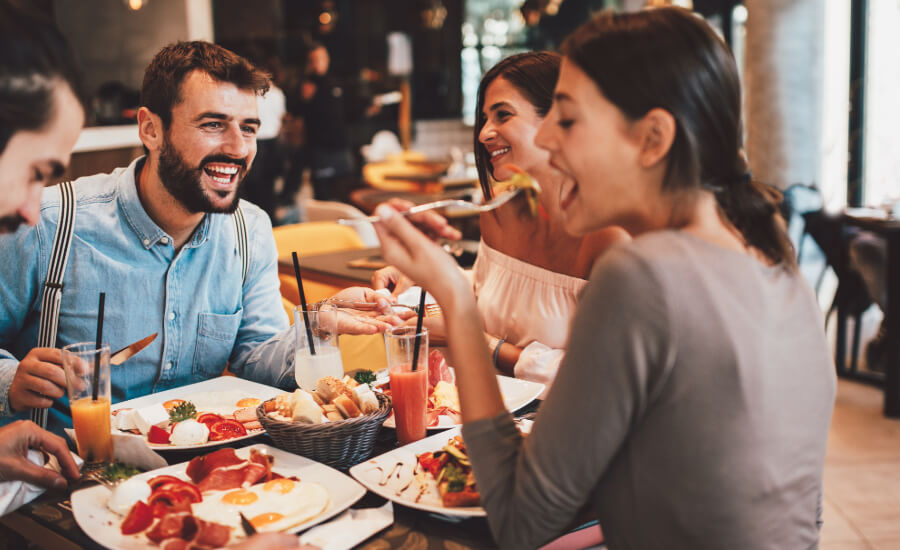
(521, 180)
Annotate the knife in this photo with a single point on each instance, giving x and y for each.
(249, 530)
(125, 353)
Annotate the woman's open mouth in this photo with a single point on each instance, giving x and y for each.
(496, 154)
(567, 192)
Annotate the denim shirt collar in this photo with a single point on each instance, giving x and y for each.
(144, 227)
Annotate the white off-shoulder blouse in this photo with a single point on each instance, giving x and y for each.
(528, 306)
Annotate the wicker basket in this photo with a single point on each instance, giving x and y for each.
(339, 444)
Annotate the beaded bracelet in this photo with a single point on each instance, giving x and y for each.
(497, 352)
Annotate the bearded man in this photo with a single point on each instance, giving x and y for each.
(167, 240)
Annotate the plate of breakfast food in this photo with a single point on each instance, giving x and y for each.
(433, 474)
(200, 503)
(443, 401)
(205, 414)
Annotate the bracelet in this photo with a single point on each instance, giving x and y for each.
(497, 351)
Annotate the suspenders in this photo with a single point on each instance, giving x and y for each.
(53, 286)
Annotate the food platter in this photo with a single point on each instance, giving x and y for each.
(103, 526)
(516, 394)
(394, 475)
(217, 395)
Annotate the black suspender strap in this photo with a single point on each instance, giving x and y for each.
(53, 286)
(240, 230)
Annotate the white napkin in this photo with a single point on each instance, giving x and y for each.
(411, 295)
(350, 528)
(16, 493)
(132, 449)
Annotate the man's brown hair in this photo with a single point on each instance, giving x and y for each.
(161, 89)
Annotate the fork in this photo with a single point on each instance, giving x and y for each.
(431, 310)
(468, 207)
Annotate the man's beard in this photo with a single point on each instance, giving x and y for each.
(8, 224)
(183, 182)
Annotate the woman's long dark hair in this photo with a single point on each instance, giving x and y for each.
(34, 58)
(669, 58)
(534, 74)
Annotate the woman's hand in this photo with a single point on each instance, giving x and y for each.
(437, 333)
(420, 259)
(430, 222)
(392, 279)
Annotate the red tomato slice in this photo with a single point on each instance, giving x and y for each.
(226, 429)
(158, 435)
(162, 480)
(209, 419)
(139, 518)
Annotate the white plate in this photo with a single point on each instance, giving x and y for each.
(95, 519)
(216, 395)
(406, 486)
(516, 394)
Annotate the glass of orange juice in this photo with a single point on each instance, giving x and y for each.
(409, 386)
(90, 409)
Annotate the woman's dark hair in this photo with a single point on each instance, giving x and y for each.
(534, 74)
(671, 59)
(161, 88)
(34, 60)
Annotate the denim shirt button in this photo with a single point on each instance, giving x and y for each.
(172, 316)
(146, 242)
(164, 240)
(168, 365)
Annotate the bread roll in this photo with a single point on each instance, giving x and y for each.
(349, 382)
(316, 398)
(346, 406)
(365, 399)
(306, 410)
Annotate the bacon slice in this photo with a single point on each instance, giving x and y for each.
(263, 460)
(211, 535)
(174, 543)
(222, 479)
(200, 467)
(180, 525)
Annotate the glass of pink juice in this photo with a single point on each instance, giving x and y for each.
(409, 386)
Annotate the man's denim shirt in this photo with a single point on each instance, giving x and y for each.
(206, 316)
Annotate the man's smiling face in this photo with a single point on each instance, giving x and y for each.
(210, 143)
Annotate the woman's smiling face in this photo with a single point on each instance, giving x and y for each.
(596, 148)
(511, 123)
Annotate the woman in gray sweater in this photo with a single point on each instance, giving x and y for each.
(692, 407)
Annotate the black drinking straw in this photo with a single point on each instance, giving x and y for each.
(415, 362)
(309, 338)
(96, 384)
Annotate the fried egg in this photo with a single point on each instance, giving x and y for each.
(248, 402)
(275, 505)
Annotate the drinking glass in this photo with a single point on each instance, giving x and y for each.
(409, 384)
(323, 323)
(87, 368)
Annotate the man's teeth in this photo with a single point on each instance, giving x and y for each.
(499, 152)
(221, 174)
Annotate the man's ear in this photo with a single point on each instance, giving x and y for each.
(150, 129)
(657, 129)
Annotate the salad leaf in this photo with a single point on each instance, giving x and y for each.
(118, 470)
(182, 411)
(364, 376)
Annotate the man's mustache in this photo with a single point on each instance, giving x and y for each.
(224, 159)
(8, 224)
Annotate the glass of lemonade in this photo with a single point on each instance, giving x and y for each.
(326, 361)
(409, 386)
(90, 416)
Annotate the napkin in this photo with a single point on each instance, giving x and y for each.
(16, 493)
(132, 449)
(350, 528)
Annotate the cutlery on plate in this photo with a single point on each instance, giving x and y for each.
(248, 527)
(465, 207)
(125, 353)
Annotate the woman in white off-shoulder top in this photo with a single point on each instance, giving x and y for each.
(529, 271)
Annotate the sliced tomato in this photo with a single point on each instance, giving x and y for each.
(158, 435)
(164, 502)
(226, 429)
(157, 481)
(139, 518)
(209, 419)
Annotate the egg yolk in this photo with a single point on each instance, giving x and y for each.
(282, 485)
(265, 519)
(240, 498)
(248, 402)
(172, 403)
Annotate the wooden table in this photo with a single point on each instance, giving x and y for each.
(889, 230)
(332, 268)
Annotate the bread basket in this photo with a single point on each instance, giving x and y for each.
(339, 444)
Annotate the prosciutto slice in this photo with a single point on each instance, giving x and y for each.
(200, 467)
(438, 369)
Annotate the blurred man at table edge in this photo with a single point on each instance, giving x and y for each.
(40, 117)
(159, 237)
